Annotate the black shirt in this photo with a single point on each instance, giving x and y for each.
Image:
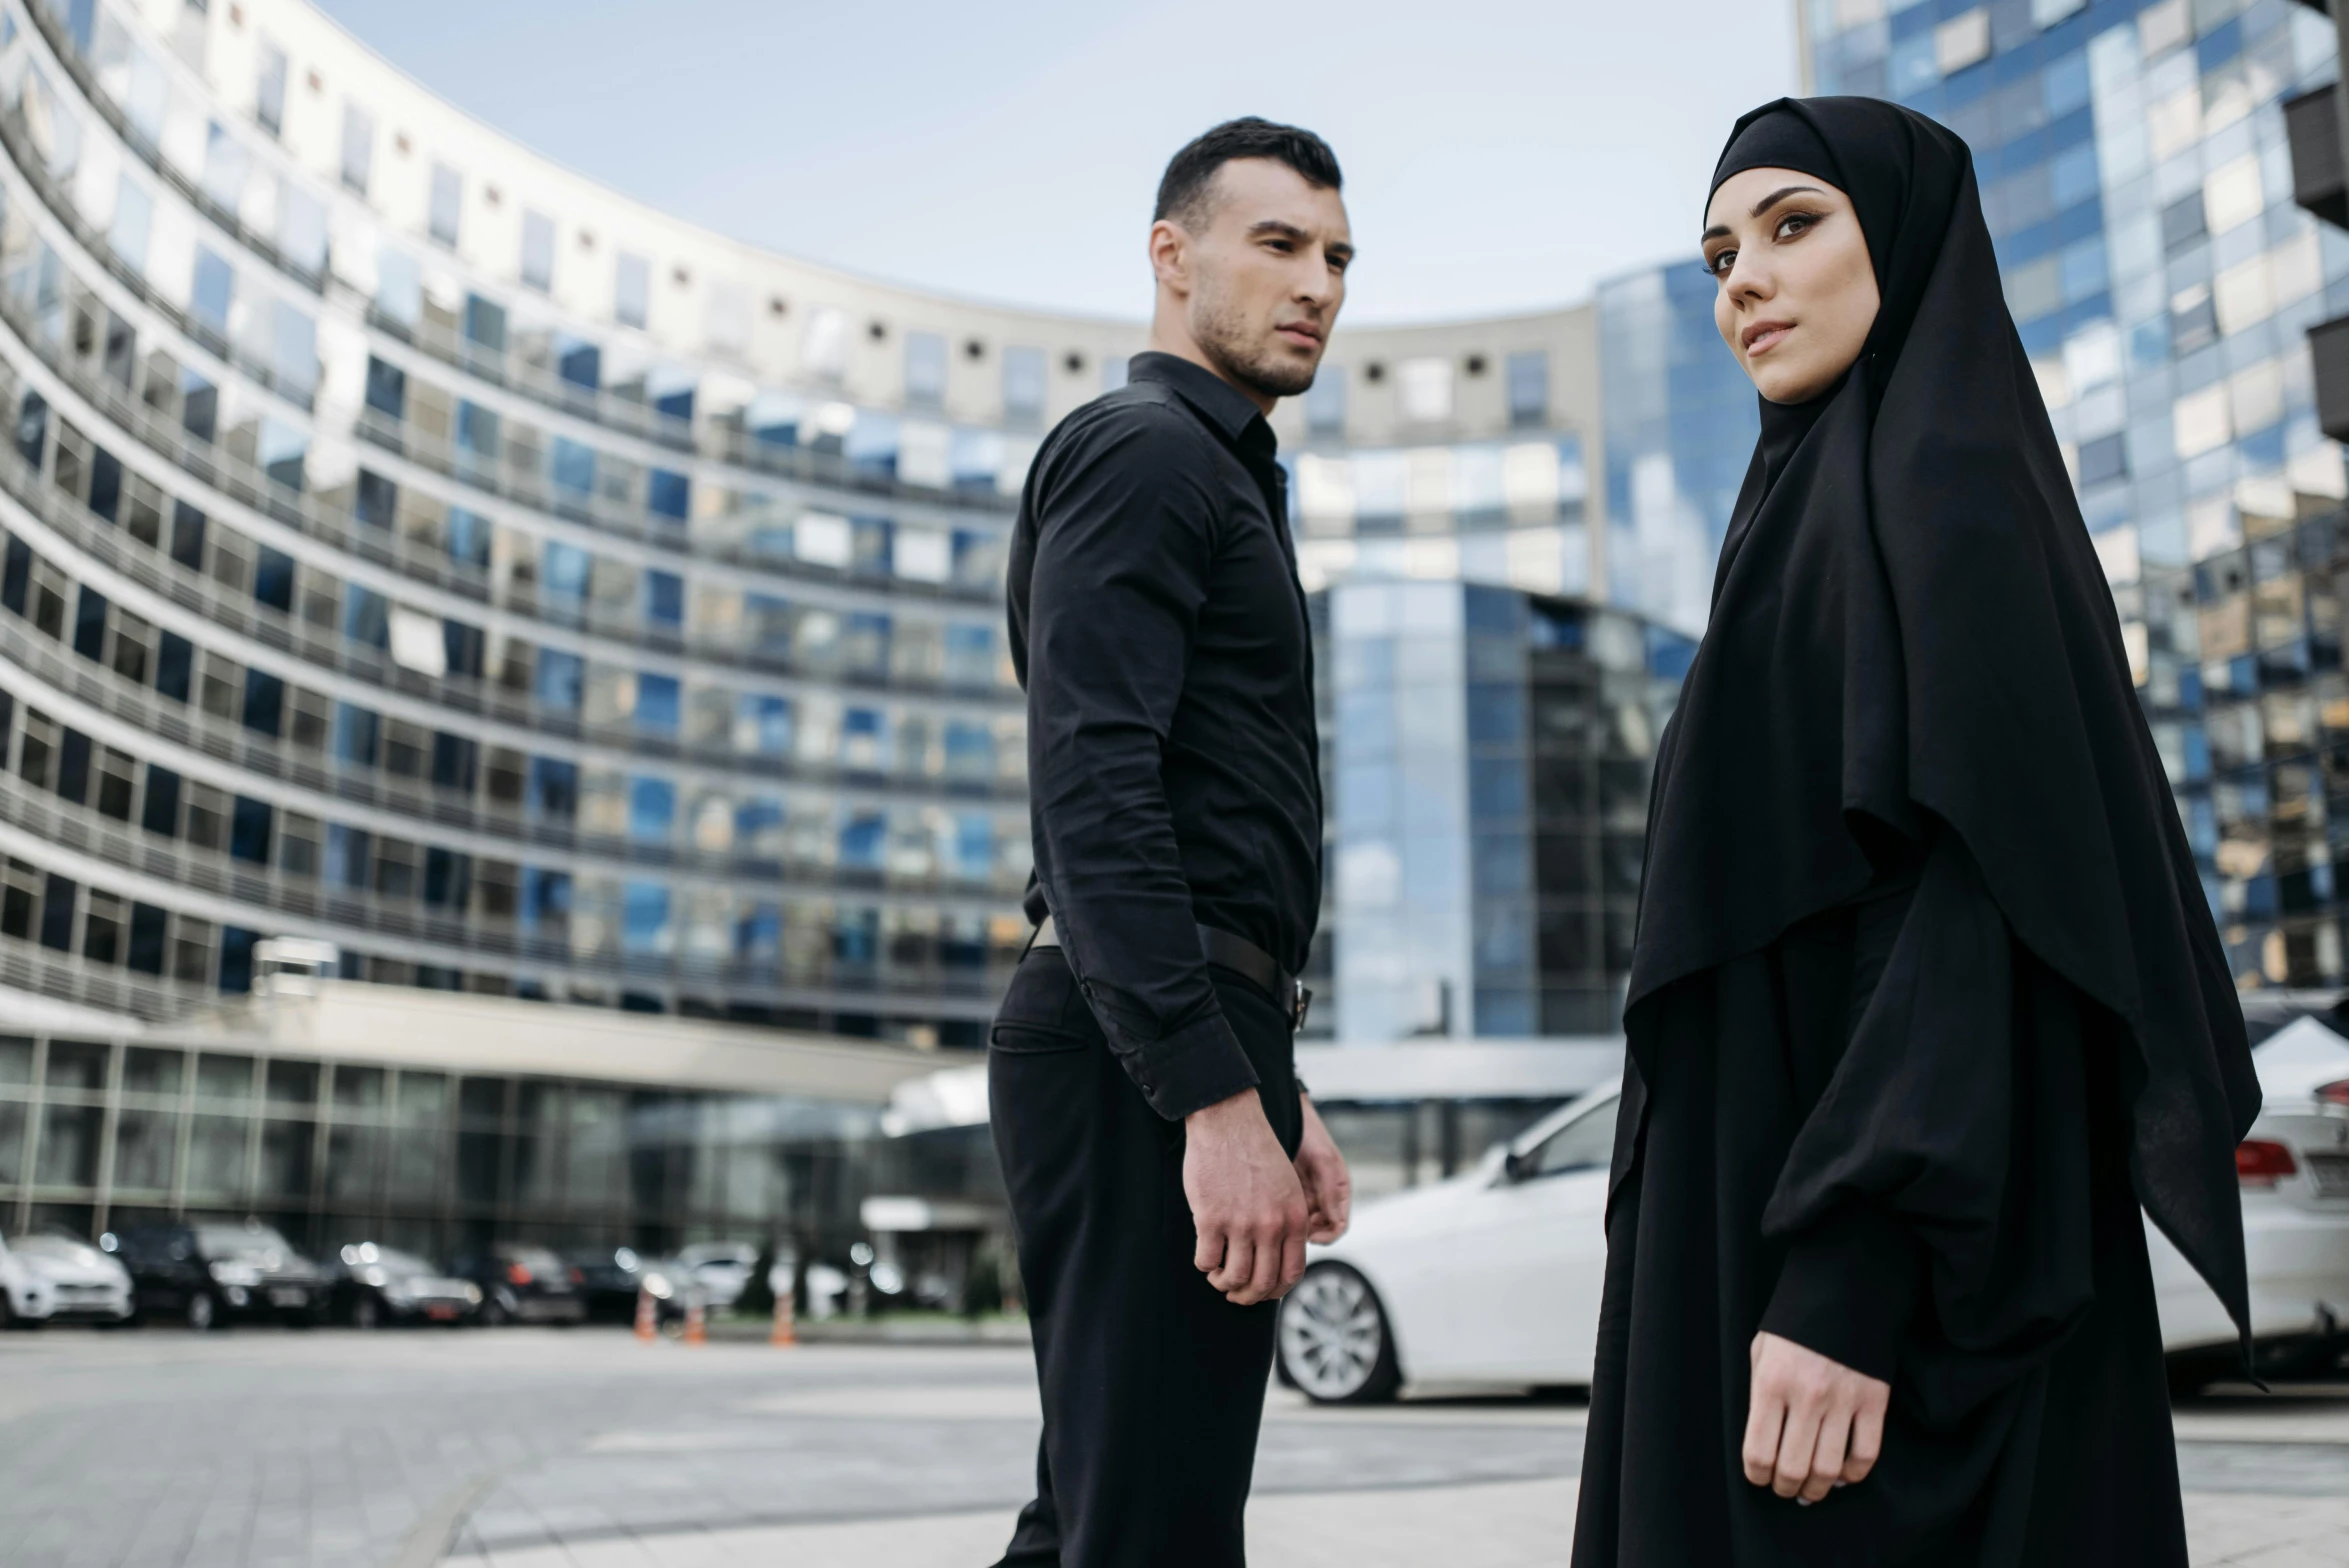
(1173, 769)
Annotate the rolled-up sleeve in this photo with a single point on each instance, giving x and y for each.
(1125, 543)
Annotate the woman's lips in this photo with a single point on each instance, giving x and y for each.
(1761, 337)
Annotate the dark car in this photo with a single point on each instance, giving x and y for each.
(610, 1277)
(203, 1275)
(523, 1284)
(382, 1285)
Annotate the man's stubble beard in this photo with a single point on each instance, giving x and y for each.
(1222, 337)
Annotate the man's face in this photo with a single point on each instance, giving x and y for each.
(1267, 276)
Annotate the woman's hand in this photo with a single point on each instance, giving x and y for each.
(1811, 1424)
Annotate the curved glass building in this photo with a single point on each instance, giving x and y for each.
(413, 545)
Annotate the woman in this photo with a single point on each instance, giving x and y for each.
(1926, 997)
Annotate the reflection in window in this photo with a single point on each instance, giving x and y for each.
(358, 147)
(269, 87)
(1023, 383)
(1425, 386)
(631, 290)
(448, 203)
(644, 917)
(1529, 388)
(134, 214)
(227, 165)
(652, 810)
(210, 291)
(561, 681)
(1325, 402)
(925, 367)
(538, 250)
(399, 286)
(657, 705)
(823, 350)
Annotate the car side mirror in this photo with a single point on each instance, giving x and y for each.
(1517, 1166)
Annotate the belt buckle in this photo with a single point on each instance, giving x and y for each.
(1300, 1004)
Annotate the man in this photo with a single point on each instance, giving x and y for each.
(1164, 1165)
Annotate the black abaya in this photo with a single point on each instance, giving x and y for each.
(1925, 996)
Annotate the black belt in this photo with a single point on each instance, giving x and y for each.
(1241, 956)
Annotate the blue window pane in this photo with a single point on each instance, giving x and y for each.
(580, 363)
(561, 676)
(349, 857)
(574, 466)
(248, 831)
(1912, 68)
(644, 917)
(208, 297)
(768, 720)
(664, 599)
(387, 388)
(355, 731)
(657, 704)
(758, 934)
(546, 899)
(366, 616)
(477, 429)
(652, 810)
(667, 494)
(552, 792)
(565, 568)
(861, 838)
(468, 537)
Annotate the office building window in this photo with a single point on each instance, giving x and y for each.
(631, 290)
(1325, 402)
(269, 88)
(1425, 386)
(823, 351)
(358, 148)
(448, 203)
(1023, 383)
(538, 251)
(1529, 388)
(399, 286)
(209, 294)
(925, 367)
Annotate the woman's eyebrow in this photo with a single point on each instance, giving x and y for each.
(1721, 230)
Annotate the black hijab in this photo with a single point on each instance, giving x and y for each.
(1911, 631)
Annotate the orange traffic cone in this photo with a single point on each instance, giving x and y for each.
(784, 1332)
(648, 1316)
(696, 1324)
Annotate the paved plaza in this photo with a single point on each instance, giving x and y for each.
(585, 1449)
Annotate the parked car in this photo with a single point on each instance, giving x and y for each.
(85, 1284)
(723, 1268)
(2294, 1172)
(1493, 1276)
(381, 1285)
(204, 1275)
(610, 1278)
(524, 1284)
(24, 1291)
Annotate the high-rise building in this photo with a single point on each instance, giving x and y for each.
(1489, 760)
(2134, 168)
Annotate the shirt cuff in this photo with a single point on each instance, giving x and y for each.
(1194, 1067)
(1848, 1289)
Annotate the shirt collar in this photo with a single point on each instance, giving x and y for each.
(1222, 405)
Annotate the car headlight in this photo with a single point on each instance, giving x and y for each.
(473, 1293)
(658, 1287)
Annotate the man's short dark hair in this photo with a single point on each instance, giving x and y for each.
(1182, 194)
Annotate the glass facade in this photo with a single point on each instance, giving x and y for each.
(1681, 426)
(2135, 171)
(99, 1134)
(1488, 762)
(386, 557)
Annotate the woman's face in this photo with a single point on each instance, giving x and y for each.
(1796, 292)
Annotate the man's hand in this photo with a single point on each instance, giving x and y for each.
(1321, 1169)
(1812, 1424)
(1245, 1201)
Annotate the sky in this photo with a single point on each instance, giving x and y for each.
(1500, 155)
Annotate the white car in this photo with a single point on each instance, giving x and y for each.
(722, 1268)
(2294, 1172)
(24, 1292)
(1493, 1277)
(85, 1285)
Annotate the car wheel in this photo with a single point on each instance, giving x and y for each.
(1334, 1341)
(202, 1312)
(366, 1313)
(494, 1313)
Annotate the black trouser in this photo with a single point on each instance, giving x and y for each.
(1153, 1384)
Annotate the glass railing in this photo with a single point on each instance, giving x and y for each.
(268, 758)
(79, 829)
(27, 966)
(200, 593)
